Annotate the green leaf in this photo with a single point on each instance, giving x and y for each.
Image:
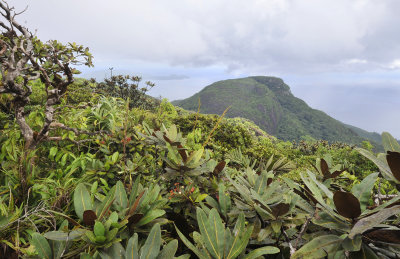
(276, 226)
(189, 245)
(116, 251)
(224, 200)
(390, 143)
(42, 246)
(114, 157)
(195, 157)
(371, 221)
(219, 231)
(82, 200)
(266, 250)
(352, 245)
(201, 197)
(241, 238)
(120, 195)
(151, 247)
(209, 237)
(381, 164)
(53, 151)
(169, 250)
(99, 229)
(362, 191)
(106, 203)
(150, 216)
(261, 183)
(56, 235)
(326, 220)
(132, 249)
(318, 247)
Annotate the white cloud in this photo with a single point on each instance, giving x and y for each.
(259, 35)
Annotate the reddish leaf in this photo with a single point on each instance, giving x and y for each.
(337, 173)
(135, 204)
(269, 181)
(384, 235)
(393, 159)
(219, 167)
(347, 204)
(280, 209)
(167, 139)
(182, 152)
(89, 217)
(325, 168)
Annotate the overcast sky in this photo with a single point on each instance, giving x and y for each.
(340, 56)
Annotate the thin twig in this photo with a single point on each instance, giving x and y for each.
(292, 249)
(304, 228)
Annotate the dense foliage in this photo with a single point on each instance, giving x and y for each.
(269, 102)
(116, 179)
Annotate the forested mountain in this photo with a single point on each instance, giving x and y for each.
(269, 102)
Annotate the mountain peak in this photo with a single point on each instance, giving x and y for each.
(269, 103)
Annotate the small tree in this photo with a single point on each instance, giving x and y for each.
(23, 58)
(128, 87)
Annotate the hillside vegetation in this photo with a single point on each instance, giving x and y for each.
(269, 102)
(98, 170)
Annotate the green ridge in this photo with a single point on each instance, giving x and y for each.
(269, 102)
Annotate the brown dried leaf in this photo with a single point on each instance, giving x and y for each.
(280, 209)
(325, 168)
(182, 152)
(89, 217)
(220, 166)
(347, 204)
(393, 159)
(384, 235)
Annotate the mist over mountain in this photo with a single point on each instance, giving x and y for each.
(269, 102)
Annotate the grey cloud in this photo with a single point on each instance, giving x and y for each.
(169, 77)
(264, 35)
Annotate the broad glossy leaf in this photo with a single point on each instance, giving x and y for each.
(82, 200)
(151, 247)
(347, 204)
(42, 246)
(200, 254)
(218, 232)
(317, 248)
(266, 250)
(169, 250)
(241, 237)
(106, 203)
(150, 216)
(120, 195)
(113, 252)
(224, 200)
(352, 245)
(382, 165)
(362, 191)
(389, 142)
(208, 234)
(326, 220)
(132, 248)
(369, 222)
